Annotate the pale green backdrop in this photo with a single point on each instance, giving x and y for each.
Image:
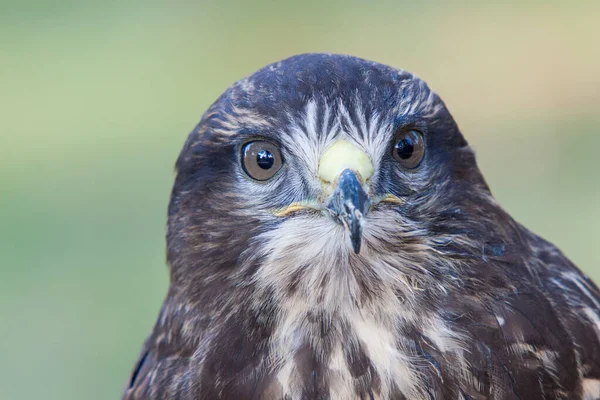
(97, 97)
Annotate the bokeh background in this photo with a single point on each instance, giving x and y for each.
(97, 98)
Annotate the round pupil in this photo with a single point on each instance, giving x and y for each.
(265, 159)
(405, 148)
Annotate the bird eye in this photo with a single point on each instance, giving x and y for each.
(261, 160)
(409, 149)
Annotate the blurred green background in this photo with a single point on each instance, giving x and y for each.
(97, 98)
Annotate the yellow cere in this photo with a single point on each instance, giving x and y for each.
(344, 155)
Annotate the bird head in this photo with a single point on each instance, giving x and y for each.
(316, 167)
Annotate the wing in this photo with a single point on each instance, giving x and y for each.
(174, 361)
(164, 362)
(531, 337)
(139, 382)
(159, 374)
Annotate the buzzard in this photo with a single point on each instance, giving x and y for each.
(331, 237)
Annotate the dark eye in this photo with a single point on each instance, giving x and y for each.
(261, 160)
(409, 149)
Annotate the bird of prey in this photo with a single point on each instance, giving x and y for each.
(330, 236)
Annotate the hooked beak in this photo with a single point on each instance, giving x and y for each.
(350, 204)
(347, 166)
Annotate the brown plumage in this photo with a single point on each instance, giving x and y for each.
(399, 278)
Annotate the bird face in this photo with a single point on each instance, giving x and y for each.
(319, 166)
(345, 173)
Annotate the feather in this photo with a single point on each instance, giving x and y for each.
(448, 298)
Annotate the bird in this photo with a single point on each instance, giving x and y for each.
(330, 236)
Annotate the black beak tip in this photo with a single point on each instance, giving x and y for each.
(356, 231)
(356, 242)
